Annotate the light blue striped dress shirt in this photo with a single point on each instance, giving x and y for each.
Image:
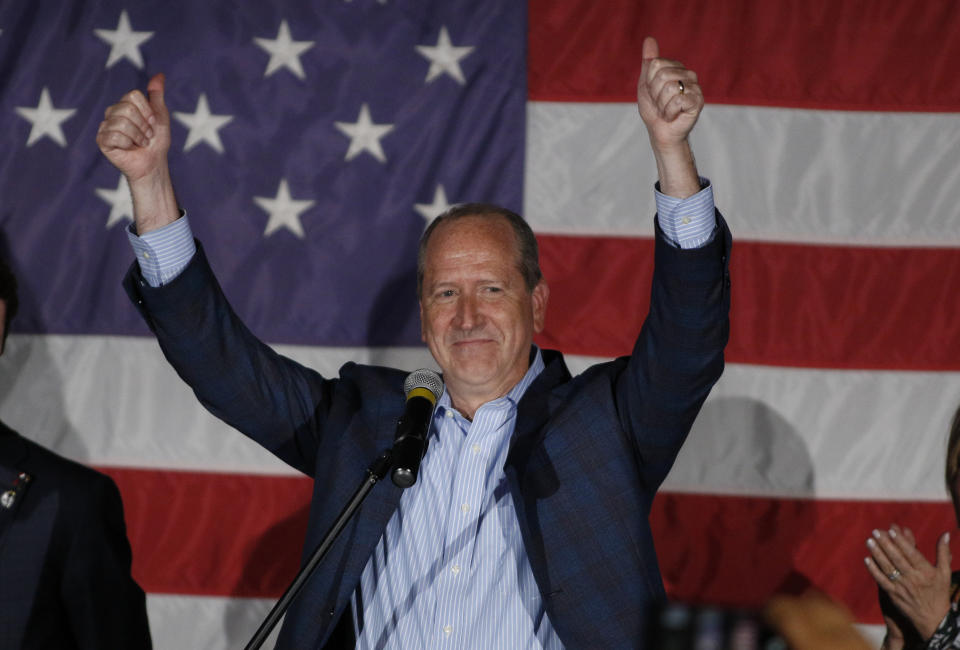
(464, 581)
(450, 570)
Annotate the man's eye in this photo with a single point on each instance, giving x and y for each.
(493, 289)
(447, 293)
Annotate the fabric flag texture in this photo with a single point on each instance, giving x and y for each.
(312, 141)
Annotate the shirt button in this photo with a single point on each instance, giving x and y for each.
(685, 220)
(476, 449)
(455, 569)
(465, 508)
(146, 255)
(447, 630)
(448, 413)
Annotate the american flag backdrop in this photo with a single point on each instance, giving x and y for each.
(312, 141)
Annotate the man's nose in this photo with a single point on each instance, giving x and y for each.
(467, 314)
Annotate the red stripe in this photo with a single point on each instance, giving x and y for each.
(835, 54)
(214, 534)
(241, 535)
(737, 552)
(792, 305)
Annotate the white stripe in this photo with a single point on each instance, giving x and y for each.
(872, 633)
(818, 433)
(763, 431)
(115, 401)
(208, 622)
(778, 174)
(829, 434)
(216, 623)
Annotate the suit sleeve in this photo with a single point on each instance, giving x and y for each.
(270, 398)
(678, 356)
(105, 607)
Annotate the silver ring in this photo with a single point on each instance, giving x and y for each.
(682, 88)
(894, 575)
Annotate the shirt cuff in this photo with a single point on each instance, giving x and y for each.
(163, 253)
(689, 222)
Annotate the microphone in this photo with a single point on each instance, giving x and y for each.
(423, 388)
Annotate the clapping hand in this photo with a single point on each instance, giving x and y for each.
(920, 590)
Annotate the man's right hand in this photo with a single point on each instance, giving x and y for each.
(135, 137)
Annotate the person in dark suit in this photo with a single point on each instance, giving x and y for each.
(528, 526)
(65, 578)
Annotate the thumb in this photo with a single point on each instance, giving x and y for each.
(943, 553)
(650, 48)
(155, 93)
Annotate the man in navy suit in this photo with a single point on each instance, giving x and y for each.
(64, 557)
(528, 526)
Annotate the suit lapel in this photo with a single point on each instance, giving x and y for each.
(533, 411)
(385, 498)
(365, 440)
(535, 407)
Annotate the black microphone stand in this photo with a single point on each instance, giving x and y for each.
(377, 470)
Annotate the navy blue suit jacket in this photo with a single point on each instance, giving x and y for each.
(586, 459)
(64, 557)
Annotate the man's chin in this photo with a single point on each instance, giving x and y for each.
(470, 374)
(473, 373)
(473, 354)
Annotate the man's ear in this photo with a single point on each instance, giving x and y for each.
(541, 293)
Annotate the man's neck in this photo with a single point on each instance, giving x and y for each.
(469, 407)
(467, 400)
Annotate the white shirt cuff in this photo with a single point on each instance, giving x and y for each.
(163, 253)
(689, 222)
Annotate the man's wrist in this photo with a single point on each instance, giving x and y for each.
(676, 168)
(154, 203)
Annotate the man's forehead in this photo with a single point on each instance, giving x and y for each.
(471, 250)
(480, 219)
(477, 230)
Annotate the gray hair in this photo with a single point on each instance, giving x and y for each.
(528, 256)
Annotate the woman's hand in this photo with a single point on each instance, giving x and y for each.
(918, 588)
